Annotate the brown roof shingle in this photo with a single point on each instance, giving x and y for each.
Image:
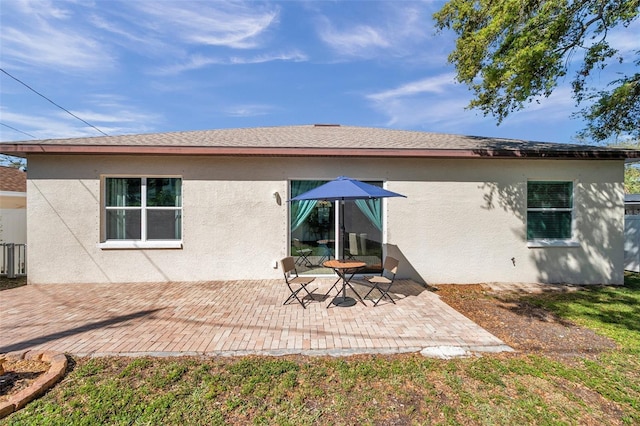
(315, 140)
(12, 179)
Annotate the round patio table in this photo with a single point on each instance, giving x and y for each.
(343, 268)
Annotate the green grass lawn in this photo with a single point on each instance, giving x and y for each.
(502, 389)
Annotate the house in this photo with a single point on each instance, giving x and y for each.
(13, 205)
(632, 204)
(212, 205)
(632, 232)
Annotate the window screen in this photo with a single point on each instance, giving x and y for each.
(143, 209)
(549, 210)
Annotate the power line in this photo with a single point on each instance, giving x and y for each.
(17, 130)
(44, 97)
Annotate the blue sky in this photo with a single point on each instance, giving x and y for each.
(159, 66)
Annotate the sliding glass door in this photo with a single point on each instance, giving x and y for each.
(315, 230)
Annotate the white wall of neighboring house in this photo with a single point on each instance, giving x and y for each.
(13, 216)
(463, 221)
(13, 222)
(632, 243)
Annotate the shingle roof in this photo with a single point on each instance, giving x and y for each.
(12, 179)
(315, 140)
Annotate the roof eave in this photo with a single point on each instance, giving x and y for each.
(24, 149)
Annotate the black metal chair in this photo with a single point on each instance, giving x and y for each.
(295, 282)
(384, 281)
(302, 252)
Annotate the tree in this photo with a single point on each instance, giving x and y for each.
(631, 170)
(631, 179)
(11, 161)
(512, 52)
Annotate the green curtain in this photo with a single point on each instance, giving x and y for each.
(300, 210)
(372, 209)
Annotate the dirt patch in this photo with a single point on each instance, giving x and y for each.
(522, 325)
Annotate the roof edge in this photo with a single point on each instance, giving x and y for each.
(22, 148)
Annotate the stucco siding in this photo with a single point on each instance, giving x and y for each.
(468, 222)
(463, 221)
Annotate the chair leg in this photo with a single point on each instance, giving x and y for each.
(383, 293)
(303, 258)
(375, 286)
(304, 287)
(294, 295)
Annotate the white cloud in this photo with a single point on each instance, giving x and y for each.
(439, 104)
(434, 100)
(127, 34)
(104, 111)
(41, 8)
(71, 37)
(43, 126)
(112, 115)
(438, 84)
(121, 116)
(294, 56)
(191, 63)
(248, 110)
(626, 40)
(198, 61)
(230, 24)
(44, 35)
(392, 32)
(354, 40)
(431, 112)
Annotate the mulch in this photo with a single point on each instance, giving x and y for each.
(523, 326)
(18, 375)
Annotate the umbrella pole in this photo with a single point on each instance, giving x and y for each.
(342, 227)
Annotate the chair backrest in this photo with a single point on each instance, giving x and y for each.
(288, 265)
(353, 244)
(296, 243)
(390, 265)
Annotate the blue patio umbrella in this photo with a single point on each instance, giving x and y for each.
(342, 189)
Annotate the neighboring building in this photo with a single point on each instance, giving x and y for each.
(13, 205)
(632, 232)
(632, 204)
(212, 205)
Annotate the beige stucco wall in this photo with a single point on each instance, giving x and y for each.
(463, 221)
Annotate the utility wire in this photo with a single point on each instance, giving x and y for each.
(44, 97)
(17, 130)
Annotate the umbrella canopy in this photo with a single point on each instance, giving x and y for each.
(346, 188)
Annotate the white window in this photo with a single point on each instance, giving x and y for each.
(550, 212)
(142, 212)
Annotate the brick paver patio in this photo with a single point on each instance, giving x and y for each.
(227, 318)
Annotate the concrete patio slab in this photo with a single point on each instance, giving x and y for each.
(229, 318)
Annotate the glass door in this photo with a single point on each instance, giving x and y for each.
(315, 231)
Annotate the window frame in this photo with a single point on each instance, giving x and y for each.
(552, 242)
(143, 242)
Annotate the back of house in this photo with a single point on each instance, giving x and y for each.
(213, 205)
